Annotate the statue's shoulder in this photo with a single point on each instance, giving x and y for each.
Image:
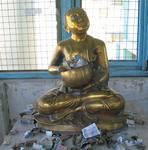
(61, 45)
(99, 42)
(64, 43)
(96, 41)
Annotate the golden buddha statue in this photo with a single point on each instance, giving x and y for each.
(83, 65)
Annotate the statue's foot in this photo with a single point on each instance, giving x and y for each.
(62, 125)
(65, 117)
(106, 122)
(62, 116)
(111, 123)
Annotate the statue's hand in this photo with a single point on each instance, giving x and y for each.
(62, 69)
(57, 69)
(101, 78)
(104, 78)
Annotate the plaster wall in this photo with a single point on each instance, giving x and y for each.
(20, 93)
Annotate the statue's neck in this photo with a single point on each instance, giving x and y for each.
(79, 37)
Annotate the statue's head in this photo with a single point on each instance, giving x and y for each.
(76, 21)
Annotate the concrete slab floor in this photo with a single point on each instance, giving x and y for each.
(139, 109)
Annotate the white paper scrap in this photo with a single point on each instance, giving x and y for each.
(91, 131)
(49, 133)
(37, 146)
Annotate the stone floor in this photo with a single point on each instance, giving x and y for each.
(141, 131)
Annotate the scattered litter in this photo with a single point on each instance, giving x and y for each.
(90, 137)
(134, 137)
(100, 141)
(47, 142)
(28, 111)
(141, 147)
(22, 148)
(139, 121)
(28, 134)
(24, 144)
(27, 119)
(7, 140)
(120, 147)
(84, 143)
(57, 141)
(91, 131)
(37, 130)
(65, 137)
(130, 123)
(120, 140)
(37, 146)
(89, 141)
(77, 138)
(92, 140)
(61, 147)
(109, 141)
(134, 142)
(129, 143)
(29, 108)
(139, 142)
(88, 147)
(13, 132)
(33, 131)
(49, 133)
(58, 134)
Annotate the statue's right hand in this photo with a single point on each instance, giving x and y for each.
(53, 69)
(56, 69)
(62, 69)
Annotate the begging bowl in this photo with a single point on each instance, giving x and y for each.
(77, 77)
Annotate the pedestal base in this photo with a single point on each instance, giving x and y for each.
(107, 123)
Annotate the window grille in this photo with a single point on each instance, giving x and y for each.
(28, 34)
(116, 23)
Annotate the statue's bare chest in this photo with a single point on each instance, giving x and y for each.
(84, 51)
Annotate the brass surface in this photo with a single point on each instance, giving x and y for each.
(86, 97)
(77, 77)
(108, 123)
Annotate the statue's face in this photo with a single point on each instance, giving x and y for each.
(77, 21)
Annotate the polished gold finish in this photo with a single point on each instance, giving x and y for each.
(105, 124)
(76, 21)
(86, 97)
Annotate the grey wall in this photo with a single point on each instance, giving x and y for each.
(20, 92)
(4, 112)
(15, 95)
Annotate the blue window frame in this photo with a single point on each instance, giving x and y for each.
(138, 67)
(120, 68)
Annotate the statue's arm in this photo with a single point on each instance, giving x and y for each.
(54, 67)
(103, 63)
